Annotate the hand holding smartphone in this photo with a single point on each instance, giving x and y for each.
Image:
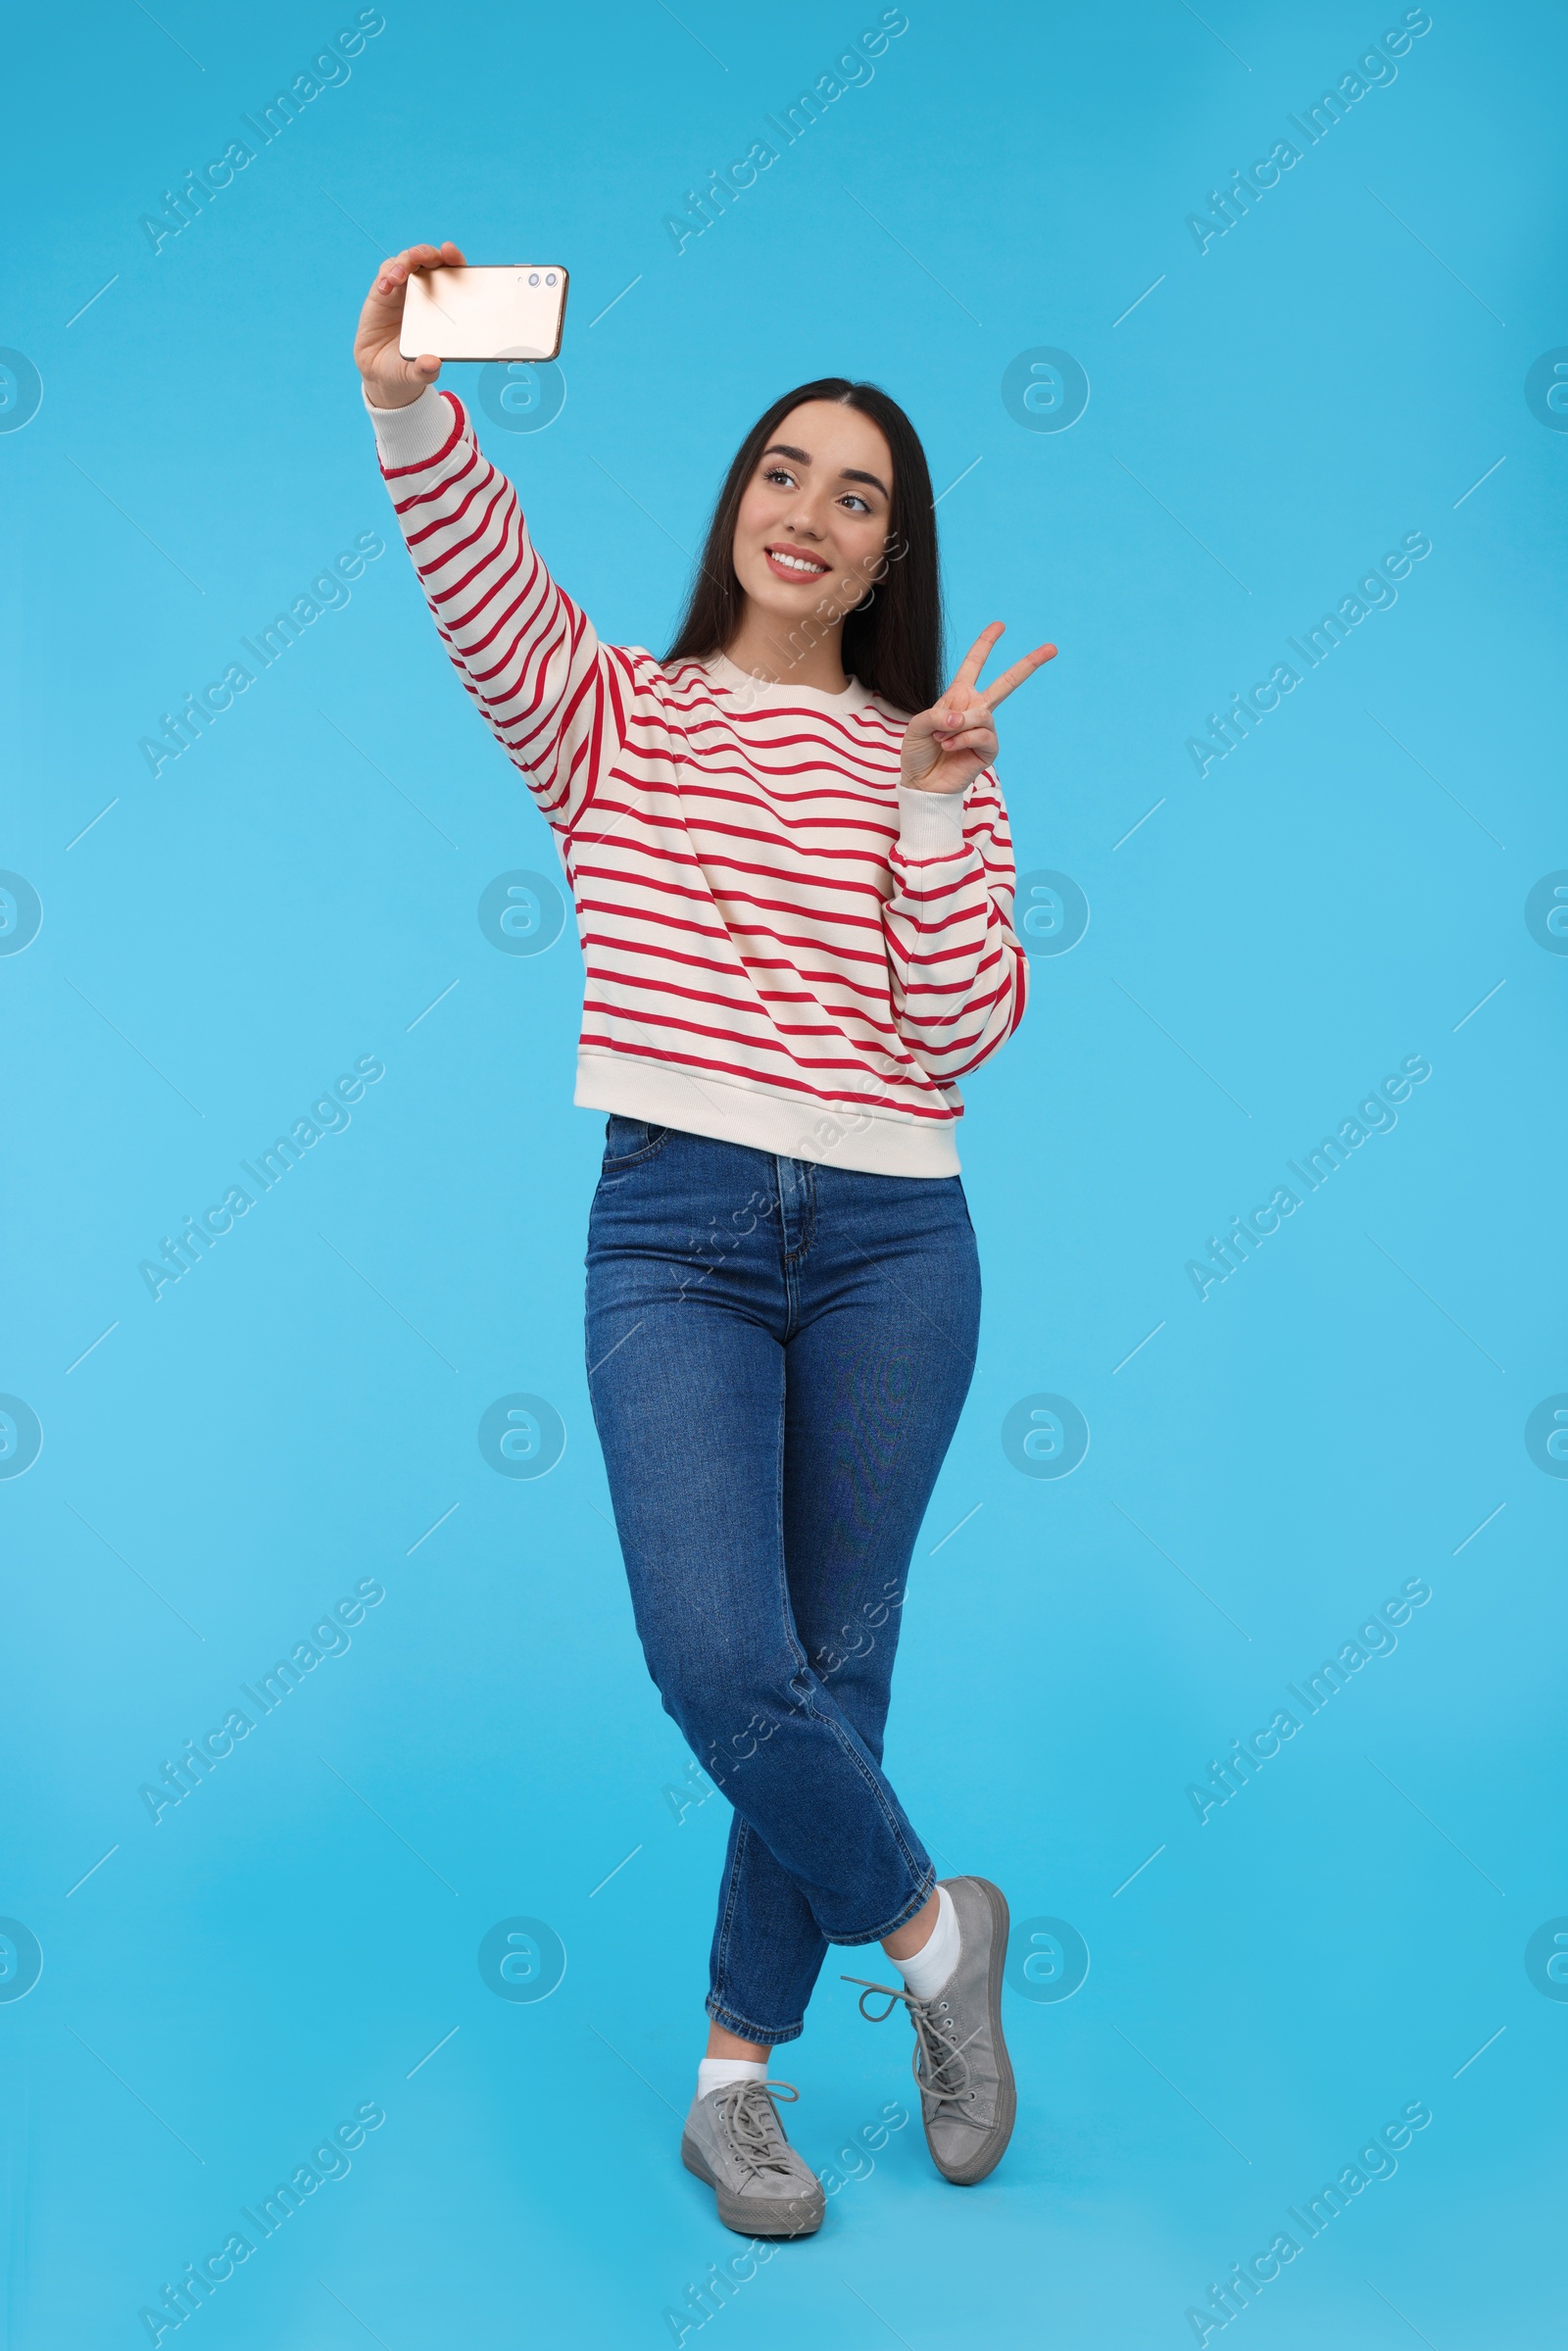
(428, 305)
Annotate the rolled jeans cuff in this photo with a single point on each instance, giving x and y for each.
(770, 2037)
(911, 1909)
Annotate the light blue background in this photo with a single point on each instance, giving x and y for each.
(1338, 1417)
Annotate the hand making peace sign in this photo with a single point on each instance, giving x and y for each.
(947, 747)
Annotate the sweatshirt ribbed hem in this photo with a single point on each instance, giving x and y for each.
(408, 436)
(930, 823)
(790, 1126)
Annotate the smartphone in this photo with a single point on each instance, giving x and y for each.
(484, 312)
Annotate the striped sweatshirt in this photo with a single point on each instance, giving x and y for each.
(783, 948)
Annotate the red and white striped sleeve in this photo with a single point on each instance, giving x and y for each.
(551, 694)
(959, 977)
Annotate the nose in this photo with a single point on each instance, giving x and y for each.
(806, 517)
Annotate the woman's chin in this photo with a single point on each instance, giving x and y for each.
(783, 603)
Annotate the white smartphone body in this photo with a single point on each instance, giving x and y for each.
(515, 312)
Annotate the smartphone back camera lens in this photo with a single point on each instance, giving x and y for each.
(533, 278)
(551, 278)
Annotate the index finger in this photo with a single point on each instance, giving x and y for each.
(394, 272)
(974, 660)
(1010, 679)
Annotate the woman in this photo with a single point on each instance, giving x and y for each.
(793, 880)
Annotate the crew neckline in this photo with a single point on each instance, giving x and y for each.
(759, 693)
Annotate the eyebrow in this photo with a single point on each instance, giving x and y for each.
(846, 472)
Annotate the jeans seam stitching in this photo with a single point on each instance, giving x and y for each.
(792, 1632)
(806, 1187)
(731, 1897)
(840, 1733)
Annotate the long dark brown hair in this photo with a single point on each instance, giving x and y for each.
(894, 644)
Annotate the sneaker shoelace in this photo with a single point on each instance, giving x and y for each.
(750, 2122)
(940, 2067)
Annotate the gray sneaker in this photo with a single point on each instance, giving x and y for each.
(967, 2100)
(734, 2140)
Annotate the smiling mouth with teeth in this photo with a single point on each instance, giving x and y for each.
(794, 565)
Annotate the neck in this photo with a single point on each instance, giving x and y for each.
(761, 652)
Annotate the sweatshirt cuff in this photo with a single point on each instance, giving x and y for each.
(408, 436)
(930, 823)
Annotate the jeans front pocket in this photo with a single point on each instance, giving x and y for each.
(628, 1140)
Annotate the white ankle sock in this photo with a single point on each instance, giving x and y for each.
(713, 2071)
(926, 1971)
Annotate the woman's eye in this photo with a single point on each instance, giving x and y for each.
(777, 473)
(859, 505)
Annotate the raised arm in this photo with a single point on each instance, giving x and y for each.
(553, 697)
(959, 977)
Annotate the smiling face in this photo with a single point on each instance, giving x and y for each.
(812, 532)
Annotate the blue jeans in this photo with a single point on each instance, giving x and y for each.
(778, 1353)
